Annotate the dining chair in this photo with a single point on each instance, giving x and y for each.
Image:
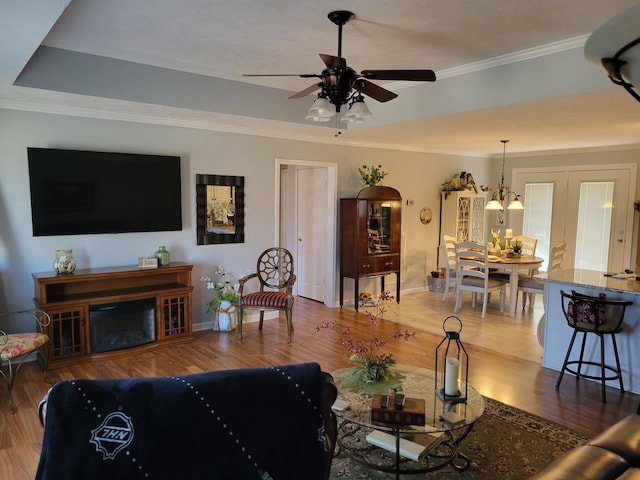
(274, 273)
(16, 347)
(472, 274)
(531, 286)
(528, 248)
(528, 244)
(449, 262)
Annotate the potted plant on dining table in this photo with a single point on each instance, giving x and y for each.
(517, 249)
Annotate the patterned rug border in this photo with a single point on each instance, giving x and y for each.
(506, 442)
(529, 422)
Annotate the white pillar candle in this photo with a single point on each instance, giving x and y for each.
(451, 370)
(509, 233)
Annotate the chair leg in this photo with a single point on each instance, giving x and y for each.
(584, 342)
(289, 325)
(619, 370)
(240, 316)
(261, 319)
(603, 370)
(566, 359)
(458, 304)
(446, 291)
(532, 299)
(9, 377)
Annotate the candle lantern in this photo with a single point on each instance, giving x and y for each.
(452, 364)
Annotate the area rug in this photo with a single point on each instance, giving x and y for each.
(505, 443)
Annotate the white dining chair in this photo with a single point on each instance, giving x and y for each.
(448, 254)
(472, 275)
(528, 244)
(531, 286)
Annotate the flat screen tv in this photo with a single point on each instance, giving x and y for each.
(77, 192)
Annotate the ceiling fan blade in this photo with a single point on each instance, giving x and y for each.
(374, 91)
(408, 75)
(306, 91)
(301, 75)
(334, 63)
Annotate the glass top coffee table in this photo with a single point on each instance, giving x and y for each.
(414, 382)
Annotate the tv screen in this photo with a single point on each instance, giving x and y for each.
(77, 192)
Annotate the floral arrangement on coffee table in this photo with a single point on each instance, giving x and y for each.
(373, 365)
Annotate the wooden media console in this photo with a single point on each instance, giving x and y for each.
(71, 299)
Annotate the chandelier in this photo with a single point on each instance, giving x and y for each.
(503, 193)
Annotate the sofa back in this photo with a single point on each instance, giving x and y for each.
(261, 423)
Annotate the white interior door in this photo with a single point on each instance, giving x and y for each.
(590, 210)
(312, 232)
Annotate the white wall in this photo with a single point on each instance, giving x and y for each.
(417, 176)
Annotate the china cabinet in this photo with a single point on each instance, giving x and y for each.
(370, 237)
(463, 216)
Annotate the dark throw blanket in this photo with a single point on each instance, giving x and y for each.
(234, 424)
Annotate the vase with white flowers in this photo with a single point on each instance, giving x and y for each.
(224, 302)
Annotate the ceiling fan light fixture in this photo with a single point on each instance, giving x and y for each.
(616, 46)
(340, 83)
(321, 111)
(358, 111)
(316, 118)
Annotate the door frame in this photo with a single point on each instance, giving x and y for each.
(331, 218)
(631, 234)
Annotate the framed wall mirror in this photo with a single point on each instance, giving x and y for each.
(219, 209)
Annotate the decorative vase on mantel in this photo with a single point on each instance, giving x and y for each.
(64, 262)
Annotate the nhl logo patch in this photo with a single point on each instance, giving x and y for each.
(114, 434)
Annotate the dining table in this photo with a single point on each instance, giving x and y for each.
(512, 265)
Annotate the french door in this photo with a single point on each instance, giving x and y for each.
(588, 208)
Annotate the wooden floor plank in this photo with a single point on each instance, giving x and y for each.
(520, 382)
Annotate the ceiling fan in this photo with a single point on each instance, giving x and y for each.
(340, 84)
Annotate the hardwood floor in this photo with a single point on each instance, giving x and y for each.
(509, 378)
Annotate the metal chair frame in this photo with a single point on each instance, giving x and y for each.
(14, 363)
(615, 310)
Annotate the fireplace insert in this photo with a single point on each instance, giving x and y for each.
(116, 326)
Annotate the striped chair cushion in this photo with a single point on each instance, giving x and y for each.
(265, 299)
(18, 344)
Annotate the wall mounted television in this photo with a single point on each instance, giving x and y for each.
(76, 192)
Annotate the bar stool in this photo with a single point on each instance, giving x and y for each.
(593, 315)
